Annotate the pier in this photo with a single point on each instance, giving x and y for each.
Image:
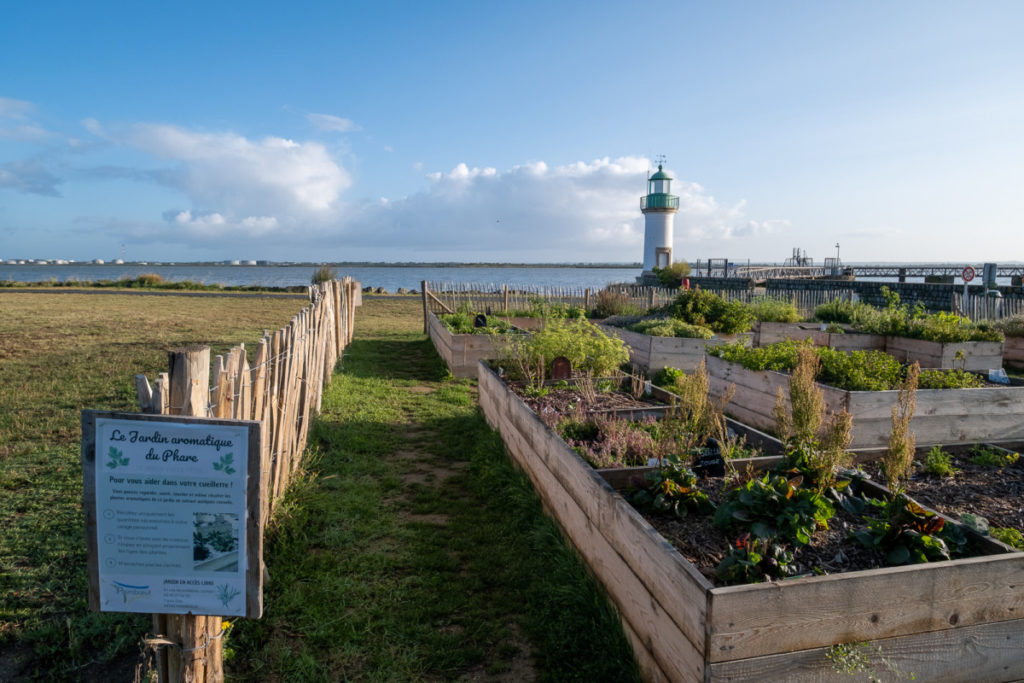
(715, 268)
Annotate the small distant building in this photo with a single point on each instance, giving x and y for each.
(118, 261)
(97, 261)
(659, 207)
(248, 263)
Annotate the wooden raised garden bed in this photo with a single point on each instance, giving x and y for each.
(654, 353)
(460, 352)
(976, 356)
(943, 416)
(1013, 352)
(945, 621)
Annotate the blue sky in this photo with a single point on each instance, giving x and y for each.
(510, 132)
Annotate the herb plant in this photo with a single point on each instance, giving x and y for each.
(939, 463)
(907, 533)
(672, 487)
(751, 560)
(991, 457)
(776, 507)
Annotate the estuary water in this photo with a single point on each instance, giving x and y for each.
(390, 278)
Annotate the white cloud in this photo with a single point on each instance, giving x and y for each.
(334, 124)
(579, 211)
(236, 176)
(15, 109)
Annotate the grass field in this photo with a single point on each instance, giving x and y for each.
(410, 549)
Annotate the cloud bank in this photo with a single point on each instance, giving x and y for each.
(287, 199)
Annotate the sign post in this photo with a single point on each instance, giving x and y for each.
(967, 275)
(172, 515)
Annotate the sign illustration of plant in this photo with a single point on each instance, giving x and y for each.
(226, 593)
(225, 464)
(117, 458)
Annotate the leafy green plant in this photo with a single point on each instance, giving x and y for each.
(707, 309)
(939, 463)
(464, 322)
(671, 327)
(672, 487)
(1011, 537)
(780, 357)
(770, 310)
(991, 457)
(907, 533)
(751, 560)
(859, 370)
(774, 506)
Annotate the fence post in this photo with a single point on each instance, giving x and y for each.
(426, 319)
(505, 287)
(200, 656)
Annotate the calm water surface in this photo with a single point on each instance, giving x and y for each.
(390, 278)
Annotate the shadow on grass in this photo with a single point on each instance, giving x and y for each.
(412, 359)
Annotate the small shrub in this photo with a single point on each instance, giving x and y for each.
(323, 274)
(939, 463)
(769, 310)
(1013, 326)
(707, 309)
(608, 302)
(673, 275)
(149, 279)
(589, 350)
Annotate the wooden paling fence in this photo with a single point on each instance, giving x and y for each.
(448, 297)
(282, 388)
(981, 307)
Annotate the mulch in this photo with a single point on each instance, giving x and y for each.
(704, 545)
(995, 493)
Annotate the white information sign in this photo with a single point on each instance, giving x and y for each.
(170, 508)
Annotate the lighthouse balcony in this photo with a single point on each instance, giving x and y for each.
(659, 201)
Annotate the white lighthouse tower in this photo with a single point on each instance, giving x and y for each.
(659, 208)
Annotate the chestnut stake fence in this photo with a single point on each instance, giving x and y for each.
(500, 298)
(282, 388)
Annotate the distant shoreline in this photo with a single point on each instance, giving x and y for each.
(340, 264)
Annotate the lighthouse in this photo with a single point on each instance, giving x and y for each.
(659, 207)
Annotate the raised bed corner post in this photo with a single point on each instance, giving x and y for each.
(193, 648)
(426, 317)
